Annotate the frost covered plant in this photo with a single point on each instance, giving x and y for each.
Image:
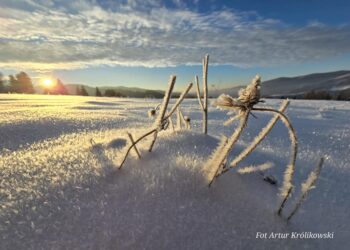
(257, 168)
(187, 121)
(163, 119)
(203, 102)
(307, 186)
(182, 120)
(153, 111)
(135, 147)
(243, 106)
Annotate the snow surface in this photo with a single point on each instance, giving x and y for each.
(60, 191)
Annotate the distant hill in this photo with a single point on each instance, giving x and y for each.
(125, 91)
(333, 83)
(330, 85)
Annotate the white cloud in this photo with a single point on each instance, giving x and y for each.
(75, 34)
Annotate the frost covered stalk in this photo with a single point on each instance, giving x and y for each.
(284, 200)
(307, 186)
(203, 102)
(171, 124)
(263, 133)
(253, 168)
(289, 172)
(243, 105)
(214, 164)
(135, 147)
(164, 106)
(178, 119)
(247, 98)
(162, 121)
(181, 119)
(209, 170)
(187, 121)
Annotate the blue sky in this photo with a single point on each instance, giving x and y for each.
(141, 42)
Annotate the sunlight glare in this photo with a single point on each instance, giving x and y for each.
(48, 82)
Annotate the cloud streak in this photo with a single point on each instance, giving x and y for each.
(78, 34)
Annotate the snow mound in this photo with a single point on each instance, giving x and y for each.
(58, 191)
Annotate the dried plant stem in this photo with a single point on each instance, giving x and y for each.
(205, 93)
(204, 103)
(284, 201)
(166, 99)
(307, 186)
(208, 167)
(178, 119)
(171, 124)
(183, 119)
(221, 157)
(199, 93)
(155, 136)
(254, 168)
(179, 100)
(133, 143)
(259, 137)
(160, 119)
(165, 103)
(231, 120)
(288, 174)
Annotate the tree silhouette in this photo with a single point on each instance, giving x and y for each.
(317, 95)
(83, 91)
(21, 83)
(77, 91)
(14, 85)
(113, 93)
(2, 83)
(98, 92)
(60, 88)
(25, 83)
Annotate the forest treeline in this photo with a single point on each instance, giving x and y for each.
(22, 83)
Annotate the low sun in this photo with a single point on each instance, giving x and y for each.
(47, 82)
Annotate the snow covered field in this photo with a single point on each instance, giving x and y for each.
(59, 192)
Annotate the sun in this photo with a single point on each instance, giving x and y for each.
(48, 82)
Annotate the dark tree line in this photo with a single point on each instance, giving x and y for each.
(343, 95)
(2, 83)
(113, 93)
(20, 83)
(81, 91)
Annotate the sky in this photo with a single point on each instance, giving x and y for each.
(139, 43)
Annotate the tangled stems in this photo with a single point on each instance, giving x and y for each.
(133, 144)
(259, 137)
